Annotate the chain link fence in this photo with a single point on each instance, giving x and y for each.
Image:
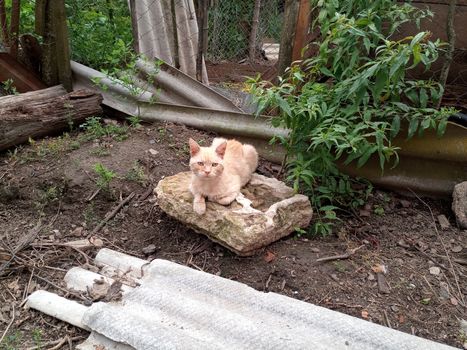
(231, 24)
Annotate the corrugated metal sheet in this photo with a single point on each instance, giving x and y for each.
(176, 307)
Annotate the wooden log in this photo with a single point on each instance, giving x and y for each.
(39, 113)
(287, 35)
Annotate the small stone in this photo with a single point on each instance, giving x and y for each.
(371, 277)
(403, 244)
(459, 204)
(435, 270)
(456, 249)
(150, 249)
(394, 308)
(404, 203)
(78, 232)
(153, 152)
(315, 250)
(152, 142)
(443, 222)
(444, 291)
(56, 231)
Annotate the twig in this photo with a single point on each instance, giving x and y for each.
(387, 319)
(9, 325)
(112, 214)
(60, 288)
(341, 256)
(23, 243)
(96, 192)
(453, 271)
(57, 342)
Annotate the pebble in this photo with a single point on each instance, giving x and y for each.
(443, 222)
(153, 152)
(150, 249)
(78, 232)
(435, 270)
(315, 250)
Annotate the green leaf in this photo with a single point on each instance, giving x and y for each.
(416, 55)
(284, 106)
(423, 98)
(395, 126)
(381, 81)
(326, 71)
(441, 127)
(364, 158)
(413, 126)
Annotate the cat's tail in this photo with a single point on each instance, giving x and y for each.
(251, 157)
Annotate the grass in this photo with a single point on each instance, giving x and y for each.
(136, 174)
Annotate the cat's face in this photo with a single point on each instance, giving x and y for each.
(206, 162)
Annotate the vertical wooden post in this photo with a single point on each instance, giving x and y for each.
(14, 27)
(4, 24)
(288, 34)
(254, 31)
(44, 27)
(202, 37)
(134, 25)
(302, 29)
(62, 43)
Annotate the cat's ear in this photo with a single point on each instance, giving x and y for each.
(220, 150)
(194, 147)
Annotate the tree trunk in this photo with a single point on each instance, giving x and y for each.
(4, 24)
(14, 27)
(254, 31)
(39, 113)
(288, 35)
(443, 77)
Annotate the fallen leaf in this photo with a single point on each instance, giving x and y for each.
(13, 285)
(379, 268)
(365, 314)
(364, 213)
(401, 319)
(435, 270)
(270, 256)
(456, 249)
(454, 301)
(404, 203)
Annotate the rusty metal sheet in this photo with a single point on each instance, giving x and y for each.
(23, 79)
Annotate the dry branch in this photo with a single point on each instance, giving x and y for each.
(39, 113)
(112, 213)
(254, 30)
(341, 256)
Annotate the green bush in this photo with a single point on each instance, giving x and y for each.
(349, 101)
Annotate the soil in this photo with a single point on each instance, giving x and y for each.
(52, 180)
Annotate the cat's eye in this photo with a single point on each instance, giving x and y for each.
(214, 164)
(200, 163)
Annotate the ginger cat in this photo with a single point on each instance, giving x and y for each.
(220, 171)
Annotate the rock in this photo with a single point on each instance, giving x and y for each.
(456, 249)
(276, 212)
(459, 204)
(435, 270)
(149, 249)
(153, 152)
(78, 232)
(315, 250)
(443, 222)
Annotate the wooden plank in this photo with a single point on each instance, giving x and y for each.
(288, 35)
(62, 44)
(23, 79)
(302, 29)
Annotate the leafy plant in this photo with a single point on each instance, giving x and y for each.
(95, 129)
(105, 177)
(127, 77)
(136, 174)
(9, 88)
(352, 99)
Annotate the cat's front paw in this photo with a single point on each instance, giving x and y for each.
(199, 207)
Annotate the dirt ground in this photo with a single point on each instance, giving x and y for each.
(422, 292)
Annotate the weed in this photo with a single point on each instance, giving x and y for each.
(37, 338)
(136, 174)
(378, 210)
(135, 121)
(100, 151)
(95, 129)
(11, 341)
(105, 177)
(339, 266)
(8, 87)
(89, 214)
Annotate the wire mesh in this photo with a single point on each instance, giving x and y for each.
(231, 24)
